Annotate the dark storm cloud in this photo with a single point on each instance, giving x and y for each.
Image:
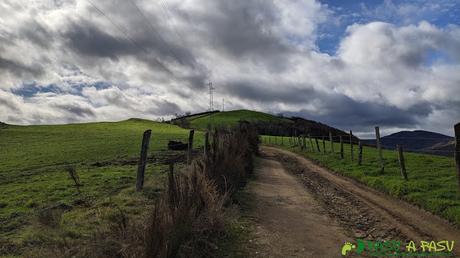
(244, 29)
(264, 92)
(75, 109)
(35, 32)
(164, 108)
(332, 108)
(86, 39)
(19, 69)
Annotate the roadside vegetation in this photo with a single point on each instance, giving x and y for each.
(431, 184)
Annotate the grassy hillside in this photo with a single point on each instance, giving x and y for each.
(34, 180)
(432, 180)
(231, 118)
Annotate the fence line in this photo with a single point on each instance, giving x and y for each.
(399, 148)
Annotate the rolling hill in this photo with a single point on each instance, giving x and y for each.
(266, 123)
(419, 141)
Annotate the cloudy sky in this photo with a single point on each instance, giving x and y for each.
(349, 64)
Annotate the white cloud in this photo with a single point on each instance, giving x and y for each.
(259, 54)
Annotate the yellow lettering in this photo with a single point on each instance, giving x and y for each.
(451, 247)
(432, 247)
(411, 247)
(441, 246)
(424, 245)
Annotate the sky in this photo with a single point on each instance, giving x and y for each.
(350, 64)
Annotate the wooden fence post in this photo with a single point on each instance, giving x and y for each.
(360, 153)
(303, 142)
(282, 140)
(311, 143)
(457, 151)
(143, 160)
(379, 148)
(352, 156)
(324, 145)
(332, 142)
(341, 147)
(317, 144)
(190, 146)
(206, 144)
(401, 161)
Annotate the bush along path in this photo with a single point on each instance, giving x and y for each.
(188, 220)
(330, 210)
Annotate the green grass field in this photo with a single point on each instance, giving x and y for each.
(33, 176)
(231, 118)
(432, 182)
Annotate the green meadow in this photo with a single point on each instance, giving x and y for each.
(432, 181)
(34, 178)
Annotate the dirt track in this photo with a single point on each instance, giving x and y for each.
(304, 210)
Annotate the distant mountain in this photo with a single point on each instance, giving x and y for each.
(418, 141)
(3, 125)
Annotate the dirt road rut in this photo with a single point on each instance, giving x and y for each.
(303, 210)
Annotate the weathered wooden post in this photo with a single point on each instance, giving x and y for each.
(190, 146)
(401, 161)
(304, 142)
(302, 146)
(311, 143)
(317, 144)
(457, 151)
(379, 148)
(143, 160)
(324, 145)
(352, 156)
(206, 144)
(332, 142)
(360, 153)
(341, 146)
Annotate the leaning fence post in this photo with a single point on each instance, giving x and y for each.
(457, 151)
(332, 142)
(143, 160)
(324, 145)
(311, 143)
(317, 144)
(401, 161)
(190, 146)
(341, 147)
(206, 144)
(352, 156)
(379, 148)
(360, 153)
(302, 147)
(304, 142)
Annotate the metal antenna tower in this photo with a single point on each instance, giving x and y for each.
(211, 96)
